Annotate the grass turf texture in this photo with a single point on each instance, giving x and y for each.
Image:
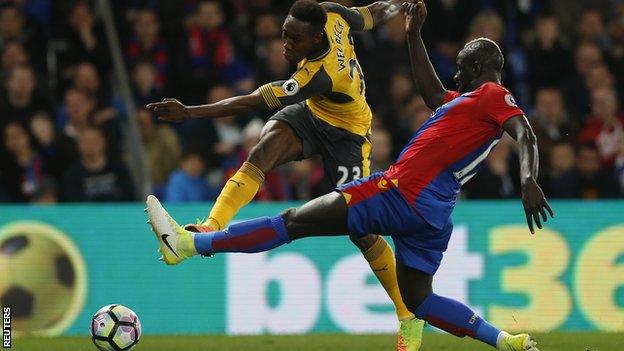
(334, 342)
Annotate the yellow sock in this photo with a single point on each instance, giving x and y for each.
(381, 260)
(237, 192)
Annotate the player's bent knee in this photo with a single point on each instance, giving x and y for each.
(416, 299)
(260, 156)
(364, 242)
(420, 297)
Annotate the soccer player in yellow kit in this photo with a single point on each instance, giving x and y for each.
(323, 111)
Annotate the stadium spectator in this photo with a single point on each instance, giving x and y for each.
(274, 66)
(599, 77)
(561, 179)
(42, 128)
(79, 107)
(381, 153)
(401, 88)
(13, 55)
(594, 181)
(306, 179)
(605, 127)
(147, 45)
(229, 133)
(267, 27)
(40, 12)
(487, 24)
(188, 183)
(446, 30)
(549, 61)
(95, 177)
(20, 100)
(24, 167)
(414, 113)
(12, 23)
(616, 29)
(161, 146)
(591, 28)
(569, 13)
(550, 121)
(14, 26)
(210, 52)
(145, 83)
(81, 111)
(59, 152)
(494, 181)
(586, 56)
(84, 39)
(390, 52)
(393, 112)
(86, 78)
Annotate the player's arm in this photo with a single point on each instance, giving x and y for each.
(269, 96)
(533, 198)
(367, 17)
(173, 110)
(425, 77)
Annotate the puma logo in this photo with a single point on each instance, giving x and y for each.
(384, 268)
(238, 184)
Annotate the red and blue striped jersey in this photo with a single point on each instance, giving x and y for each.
(449, 148)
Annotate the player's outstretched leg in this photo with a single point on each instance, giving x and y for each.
(323, 216)
(278, 145)
(453, 316)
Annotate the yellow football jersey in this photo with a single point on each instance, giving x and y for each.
(333, 83)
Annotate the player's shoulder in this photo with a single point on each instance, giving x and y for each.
(309, 71)
(332, 7)
(336, 12)
(494, 97)
(493, 88)
(311, 67)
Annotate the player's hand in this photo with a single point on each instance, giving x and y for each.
(535, 204)
(415, 15)
(170, 110)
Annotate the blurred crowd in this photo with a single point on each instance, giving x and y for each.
(63, 126)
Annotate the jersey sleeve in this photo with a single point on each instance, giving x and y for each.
(498, 105)
(449, 95)
(301, 85)
(359, 18)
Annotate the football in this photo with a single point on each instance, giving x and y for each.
(115, 328)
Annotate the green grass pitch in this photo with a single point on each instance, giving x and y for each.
(333, 342)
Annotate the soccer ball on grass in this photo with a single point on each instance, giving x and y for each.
(115, 328)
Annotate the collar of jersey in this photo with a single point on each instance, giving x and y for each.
(329, 47)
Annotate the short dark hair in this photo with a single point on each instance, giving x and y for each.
(486, 52)
(192, 150)
(311, 12)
